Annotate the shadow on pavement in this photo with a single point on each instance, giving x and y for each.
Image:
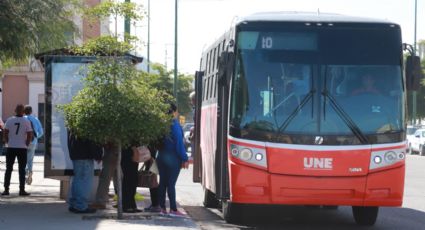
(300, 217)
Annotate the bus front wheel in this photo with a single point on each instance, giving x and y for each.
(231, 212)
(365, 215)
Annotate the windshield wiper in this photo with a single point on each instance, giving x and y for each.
(346, 118)
(296, 110)
(283, 101)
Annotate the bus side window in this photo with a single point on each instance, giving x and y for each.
(210, 63)
(207, 88)
(204, 96)
(216, 85)
(207, 64)
(218, 55)
(212, 85)
(213, 59)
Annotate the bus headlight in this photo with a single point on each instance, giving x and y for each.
(252, 155)
(245, 154)
(377, 159)
(386, 158)
(390, 157)
(234, 150)
(259, 156)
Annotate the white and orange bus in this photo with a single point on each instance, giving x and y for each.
(286, 116)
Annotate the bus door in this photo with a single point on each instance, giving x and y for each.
(221, 161)
(196, 152)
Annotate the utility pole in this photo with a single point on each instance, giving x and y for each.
(149, 35)
(175, 51)
(126, 26)
(414, 93)
(166, 57)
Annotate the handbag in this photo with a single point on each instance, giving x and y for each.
(154, 168)
(146, 179)
(141, 154)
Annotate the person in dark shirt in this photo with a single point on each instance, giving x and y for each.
(82, 152)
(129, 181)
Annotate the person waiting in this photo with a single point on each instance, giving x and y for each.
(17, 136)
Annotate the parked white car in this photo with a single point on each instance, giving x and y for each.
(418, 142)
(410, 135)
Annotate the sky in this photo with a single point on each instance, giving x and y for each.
(200, 22)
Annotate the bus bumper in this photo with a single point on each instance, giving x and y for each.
(255, 186)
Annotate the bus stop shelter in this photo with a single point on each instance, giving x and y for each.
(64, 71)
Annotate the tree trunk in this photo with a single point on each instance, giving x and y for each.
(119, 182)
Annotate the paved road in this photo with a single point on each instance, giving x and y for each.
(44, 210)
(410, 216)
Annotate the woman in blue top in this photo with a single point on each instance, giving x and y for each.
(171, 158)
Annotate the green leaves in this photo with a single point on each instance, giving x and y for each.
(29, 27)
(112, 8)
(162, 79)
(103, 46)
(115, 105)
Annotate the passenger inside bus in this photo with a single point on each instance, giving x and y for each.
(367, 86)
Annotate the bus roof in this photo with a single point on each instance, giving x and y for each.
(293, 16)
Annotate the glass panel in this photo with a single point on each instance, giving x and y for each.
(370, 95)
(272, 93)
(212, 87)
(66, 82)
(295, 80)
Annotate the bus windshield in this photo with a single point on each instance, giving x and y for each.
(340, 81)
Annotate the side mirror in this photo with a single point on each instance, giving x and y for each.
(413, 72)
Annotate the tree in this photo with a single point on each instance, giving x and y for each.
(116, 106)
(420, 97)
(162, 79)
(29, 27)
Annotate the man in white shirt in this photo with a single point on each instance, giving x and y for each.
(17, 135)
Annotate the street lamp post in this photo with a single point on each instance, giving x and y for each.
(175, 51)
(126, 26)
(149, 35)
(414, 93)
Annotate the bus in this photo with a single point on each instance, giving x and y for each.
(285, 114)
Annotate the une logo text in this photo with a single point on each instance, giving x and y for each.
(318, 163)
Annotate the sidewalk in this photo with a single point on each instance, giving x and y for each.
(44, 210)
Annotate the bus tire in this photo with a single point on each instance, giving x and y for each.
(365, 215)
(210, 200)
(231, 212)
